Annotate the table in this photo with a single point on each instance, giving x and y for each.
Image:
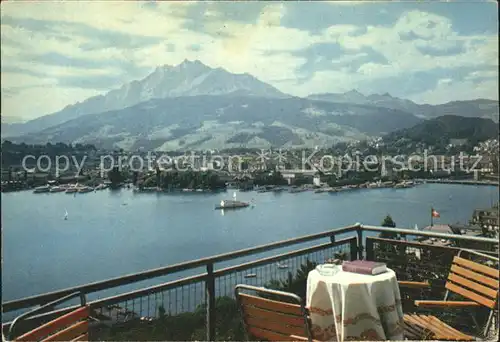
(351, 306)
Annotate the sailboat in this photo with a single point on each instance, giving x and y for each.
(416, 227)
(66, 215)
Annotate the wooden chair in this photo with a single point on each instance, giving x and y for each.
(72, 326)
(273, 320)
(475, 282)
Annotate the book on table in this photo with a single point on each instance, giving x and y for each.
(364, 267)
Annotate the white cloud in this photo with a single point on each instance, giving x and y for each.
(466, 90)
(378, 70)
(445, 82)
(117, 16)
(262, 48)
(18, 80)
(33, 102)
(482, 74)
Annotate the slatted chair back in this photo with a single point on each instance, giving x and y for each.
(273, 320)
(474, 281)
(72, 326)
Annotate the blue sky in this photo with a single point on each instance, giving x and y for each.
(55, 54)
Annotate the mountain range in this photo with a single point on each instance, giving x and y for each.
(193, 106)
(474, 108)
(444, 128)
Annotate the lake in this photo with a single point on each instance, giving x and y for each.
(113, 233)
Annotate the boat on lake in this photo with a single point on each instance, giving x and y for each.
(85, 189)
(41, 189)
(294, 190)
(231, 204)
(57, 189)
(100, 187)
(72, 190)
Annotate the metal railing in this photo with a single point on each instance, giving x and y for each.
(201, 293)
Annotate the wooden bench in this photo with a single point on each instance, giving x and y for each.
(475, 282)
(72, 326)
(273, 320)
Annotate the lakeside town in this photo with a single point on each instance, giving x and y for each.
(294, 171)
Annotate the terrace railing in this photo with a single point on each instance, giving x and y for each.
(202, 299)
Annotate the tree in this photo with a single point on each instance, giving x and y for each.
(389, 223)
(115, 177)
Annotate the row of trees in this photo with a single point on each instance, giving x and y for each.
(181, 180)
(266, 178)
(8, 146)
(13, 154)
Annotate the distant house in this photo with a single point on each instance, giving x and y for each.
(454, 229)
(486, 218)
(439, 228)
(458, 229)
(317, 180)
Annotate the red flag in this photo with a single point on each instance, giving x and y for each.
(434, 213)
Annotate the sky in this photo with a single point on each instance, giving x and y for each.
(58, 53)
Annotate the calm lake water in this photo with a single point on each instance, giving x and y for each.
(110, 234)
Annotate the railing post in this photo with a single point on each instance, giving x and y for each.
(210, 295)
(369, 249)
(353, 247)
(359, 230)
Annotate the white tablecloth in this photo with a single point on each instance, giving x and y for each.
(351, 306)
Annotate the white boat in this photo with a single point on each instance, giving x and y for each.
(101, 187)
(228, 204)
(41, 189)
(72, 190)
(85, 189)
(57, 189)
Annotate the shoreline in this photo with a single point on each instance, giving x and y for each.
(287, 188)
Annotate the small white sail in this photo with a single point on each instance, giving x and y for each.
(66, 215)
(234, 195)
(416, 227)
